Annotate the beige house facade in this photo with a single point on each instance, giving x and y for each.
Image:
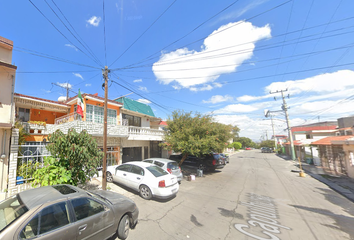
(7, 108)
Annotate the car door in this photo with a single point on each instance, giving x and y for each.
(135, 177)
(93, 219)
(121, 174)
(52, 222)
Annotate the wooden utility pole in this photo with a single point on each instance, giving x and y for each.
(104, 164)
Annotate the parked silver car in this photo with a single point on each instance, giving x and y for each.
(168, 165)
(66, 212)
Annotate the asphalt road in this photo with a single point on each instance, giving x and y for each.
(256, 196)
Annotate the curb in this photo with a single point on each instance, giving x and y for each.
(344, 192)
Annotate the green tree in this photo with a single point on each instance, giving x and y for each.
(267, 143)
(237, 145)
(195, 134)
(246, 142)
(74, 152)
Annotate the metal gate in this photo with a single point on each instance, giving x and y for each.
(29, 159)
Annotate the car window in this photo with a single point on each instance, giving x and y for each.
(216, 156)
(172, 165)
(124, 167)
(10, 210)
(148, 161)
(50, 218)
(160, 164)
(137, 170)
(86, 207)
(157, 171)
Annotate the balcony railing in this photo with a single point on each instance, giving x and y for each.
(144, 131)
(68, 118)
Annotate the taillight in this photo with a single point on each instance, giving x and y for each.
(180, 169)
(169, 170)
(214, 162)
(162, 183)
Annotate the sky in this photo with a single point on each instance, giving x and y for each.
(227, 58)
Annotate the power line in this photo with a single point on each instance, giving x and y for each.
(82, 42)
(38, 54)
(104, 33)
(145, 31)
(59, 30)
(151, 56)
(162, 107)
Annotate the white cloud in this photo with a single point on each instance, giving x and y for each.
(138, 80)
(78, 75)
(248, 98)
(197, 69)
(145, 101)
(144, 89)
(71, 46)
(88, 85)
(65, 85)
(327, 82)
(218, 99)
(94, 21)
(236, 108)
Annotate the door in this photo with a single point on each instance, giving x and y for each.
(52, 222)
(155, 149)
(94, 220)
(121, 174)
(135, 177)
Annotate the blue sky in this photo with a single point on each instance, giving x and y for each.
(219, 57)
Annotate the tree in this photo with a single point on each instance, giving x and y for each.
(246, 142)
(237, 145)
(74, 152)
(267, 143)
(195, 134)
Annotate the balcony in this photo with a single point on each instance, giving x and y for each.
(73, 120)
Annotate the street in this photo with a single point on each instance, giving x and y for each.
(256, 196)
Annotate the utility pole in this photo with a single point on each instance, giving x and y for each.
(67, 89)
(105, 72)
(275, 139)
(285, 109)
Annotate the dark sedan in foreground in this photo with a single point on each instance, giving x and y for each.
(66, 212)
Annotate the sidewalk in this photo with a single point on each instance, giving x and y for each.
(343, 185)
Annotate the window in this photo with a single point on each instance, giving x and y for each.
(137, 170)
(96, 114)
(10, 210)
(132, 120)
(24, 114)
(50, 218)
(85, 207)
(157, 171)
(160, 164)
(148, 161)
(125, 167)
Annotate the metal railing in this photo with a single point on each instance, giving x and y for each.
(68, 118)
(144, 131)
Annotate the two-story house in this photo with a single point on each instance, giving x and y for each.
(144, 134)
(7, 108)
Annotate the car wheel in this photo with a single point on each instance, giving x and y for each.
(202, 167)
(123, 227)
(109, 177)
(145, 192)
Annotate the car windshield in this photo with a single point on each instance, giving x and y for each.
(10, 210)
(157, 171)
(216, 156)
(172, 165)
